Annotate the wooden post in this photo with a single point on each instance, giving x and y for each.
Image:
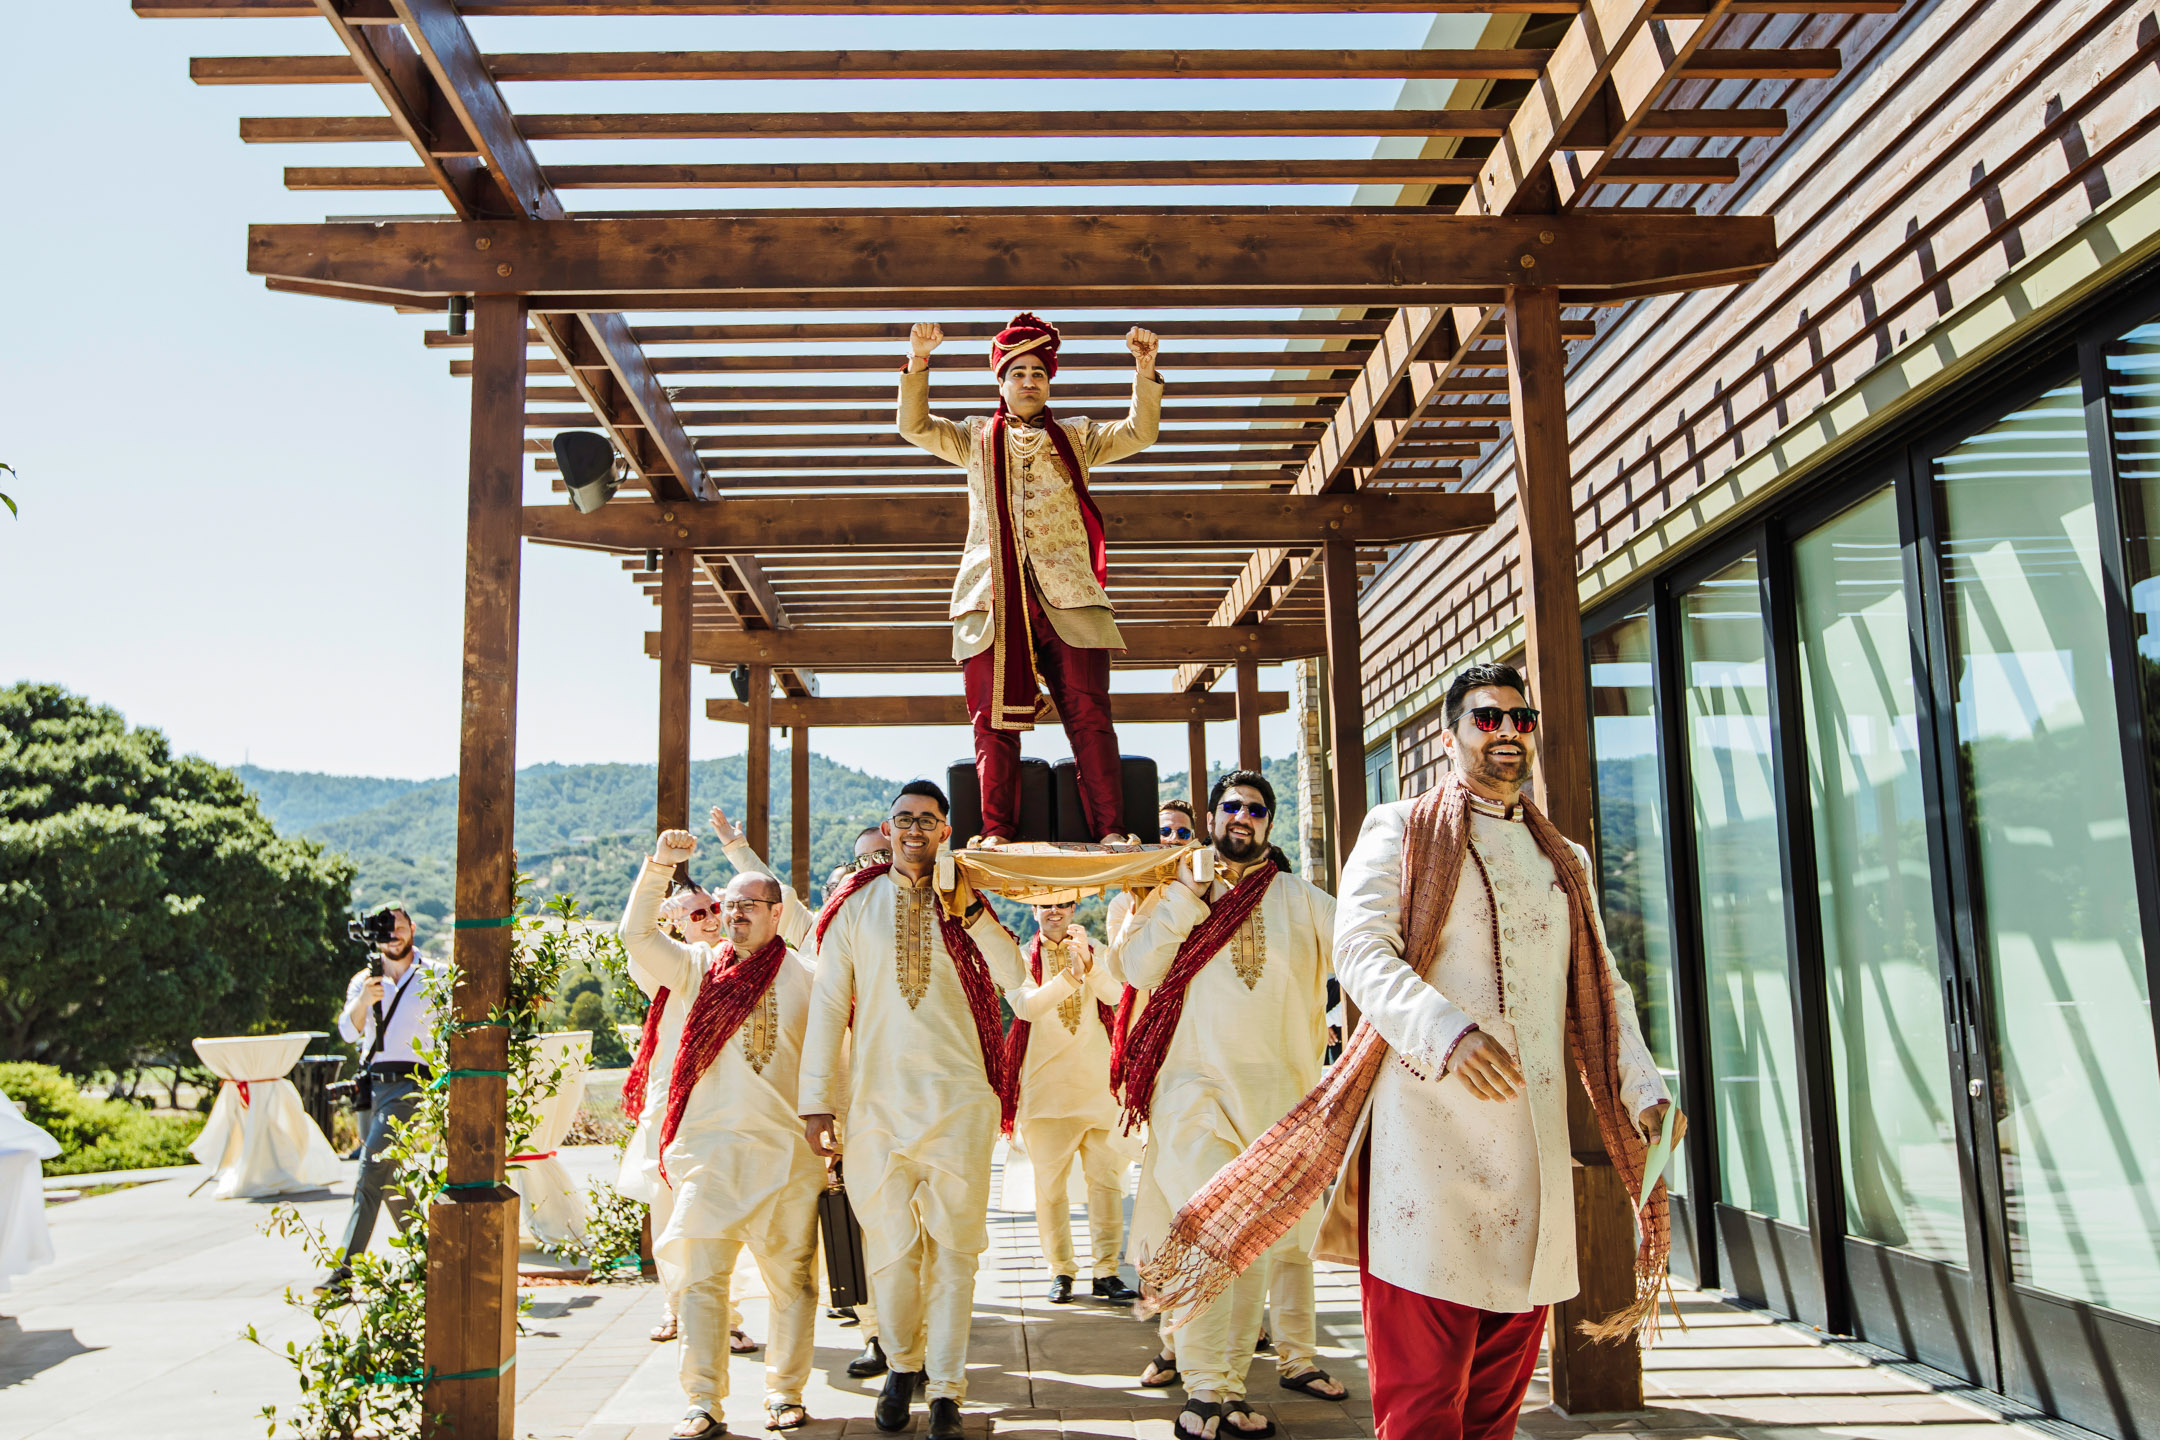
(799, 810)
(672, 810)
(1586, 1377)
(1346, 692)
(472, 1227)
(757, 787)
(1197, 773)
(1248, 713)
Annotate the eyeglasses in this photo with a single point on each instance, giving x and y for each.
(1177, 832)
(745, 904)
(1487, 718)
(916, 822)
(1252, 809)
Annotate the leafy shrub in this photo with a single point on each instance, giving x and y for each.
(96, 1135)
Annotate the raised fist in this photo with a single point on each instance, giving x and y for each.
(674, 847)
(1142, 343)
(924, 338)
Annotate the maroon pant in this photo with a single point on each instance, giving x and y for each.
(1079, 681)
(1439, 1370)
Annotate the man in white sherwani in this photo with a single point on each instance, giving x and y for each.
(1234, 968)
(1058, 1052)
(917, 975)
(795, 917)
(1458, 1201)
(730, 1142)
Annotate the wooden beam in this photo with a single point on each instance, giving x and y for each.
(881, 711)
(921, 125)
(1196, 774)
(585, 67)
(1248, 714)
(1132, 520)
(757, 784)
(907, 647)
(799, 809)
(471, 1319)
(672, 802)
(378, 12)
(1134, 253)
(970, 365)
(1346, 695)
(818, 332)
(878, 175)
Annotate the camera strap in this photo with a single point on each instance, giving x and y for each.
(397, 998)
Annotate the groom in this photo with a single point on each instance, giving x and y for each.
(1028, 603)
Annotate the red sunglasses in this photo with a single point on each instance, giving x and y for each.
(1487, 718)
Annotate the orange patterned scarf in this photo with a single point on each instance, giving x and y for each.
(1257, 1198)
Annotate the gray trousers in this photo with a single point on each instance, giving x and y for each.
(395, 1100)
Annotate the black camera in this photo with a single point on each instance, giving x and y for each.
(372, 930)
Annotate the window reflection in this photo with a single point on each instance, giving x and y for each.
(2073, 1080)
(1889, 1051)
(1748, 994)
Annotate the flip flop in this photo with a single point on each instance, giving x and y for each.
(786, 1415)
(739, 1343)
(668, 1329)
(712, 1428)
(1239, 1407)
(1203, 1411)
(1169, 1370)
(1306, 1382)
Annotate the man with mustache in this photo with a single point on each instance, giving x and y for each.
(730, 1143)
(915, 975)
(1233, 965)
(1029, 602)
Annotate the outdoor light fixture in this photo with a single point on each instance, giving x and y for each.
(652, 561)
(591, 469)
(739, 677)
(460, 307)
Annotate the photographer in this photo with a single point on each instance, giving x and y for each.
(386, 1009)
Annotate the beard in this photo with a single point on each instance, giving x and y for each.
(1486, 770)
(1242, 850)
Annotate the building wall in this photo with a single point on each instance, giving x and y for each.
(1961, 142)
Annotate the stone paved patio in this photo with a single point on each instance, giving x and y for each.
(138, 1329)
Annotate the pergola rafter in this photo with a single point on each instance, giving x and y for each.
(780, 524)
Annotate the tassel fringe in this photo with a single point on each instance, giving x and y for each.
(1637, 1322)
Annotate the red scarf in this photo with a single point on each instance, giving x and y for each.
(968, 963)
(1013, 682)
(730, 992)
(1147, 1041)
(1016, 1039)
(633, 1085)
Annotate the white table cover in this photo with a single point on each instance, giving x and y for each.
(553, 1208)
(25, 1239)
(259, 1139)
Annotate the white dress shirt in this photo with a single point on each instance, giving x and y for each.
(414, 1015)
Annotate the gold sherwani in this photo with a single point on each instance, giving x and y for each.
(1052, 541)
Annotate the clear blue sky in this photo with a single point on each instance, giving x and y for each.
(243, 513)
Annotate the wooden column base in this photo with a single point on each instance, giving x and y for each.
(472, 1311)
(1589, 1377)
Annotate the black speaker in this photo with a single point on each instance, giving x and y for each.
(1141, 800)
(965, 791)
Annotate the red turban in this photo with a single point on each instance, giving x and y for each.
(1028, 334)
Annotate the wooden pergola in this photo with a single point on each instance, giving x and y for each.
(781, 523)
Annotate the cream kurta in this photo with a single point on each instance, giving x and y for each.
(796, 918)
(740, 1166)
(1471, 1200)
(1052, 542)
(917, 1099)
(1248, 1045)
(1067, 1074)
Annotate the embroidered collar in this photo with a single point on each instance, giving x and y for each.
(1493, 809)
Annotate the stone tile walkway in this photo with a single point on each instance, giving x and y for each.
(138, 1330)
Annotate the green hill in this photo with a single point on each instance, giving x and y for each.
(581, 829)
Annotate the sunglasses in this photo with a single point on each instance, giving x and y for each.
(1250, 808)
(698, 916)
(1177, 832)
(1487, 718)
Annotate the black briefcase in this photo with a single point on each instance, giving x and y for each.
(841, 1236)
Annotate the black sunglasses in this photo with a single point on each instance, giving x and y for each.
(1487, 718)
(1243, 807)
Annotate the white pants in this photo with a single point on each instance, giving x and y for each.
(1102, 1167)
(926, 1304)
(706, 1310)
(1290, 1313)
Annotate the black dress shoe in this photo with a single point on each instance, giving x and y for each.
(870, 1362)
(945, 1419)
(845, 1315)
(1061, 1290)
(892, 1402)
(1115, 1291)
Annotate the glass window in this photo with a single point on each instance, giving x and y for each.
(1889, 1053)
(2134, 408)
(1380, 774)
(1753, 1073)
(2073, 1079)
(1631, 837)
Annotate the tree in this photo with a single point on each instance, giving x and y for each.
(145, 899)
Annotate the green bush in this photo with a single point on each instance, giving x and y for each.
(96, 1135)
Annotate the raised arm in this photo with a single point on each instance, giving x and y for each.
(1115, 441)
(657, 961)
(796, 918)
(1153, 935)
(1416, 1019)
(946, 439)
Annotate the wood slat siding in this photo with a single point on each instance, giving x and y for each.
(1960, 140)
